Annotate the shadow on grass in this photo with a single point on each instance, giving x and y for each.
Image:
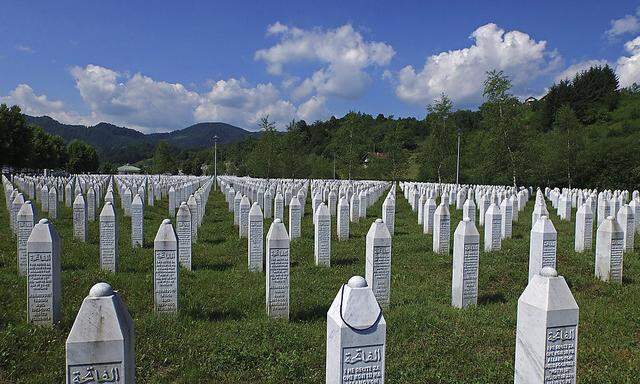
(311, 314)
(491, 299)
(208, 314)
(222, 266)
(349, 261)
(627, 280)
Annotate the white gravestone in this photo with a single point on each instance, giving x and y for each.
(80, 218)
(91, 204)
(277, 271)
(43, 275)
(378, 262)
(183, 232)
(295, 218)
(16, 205)
(53, 203)
(236, 208)
(333, 200)
(442, 227)
(356, 336)
(25, 220)
(543, 244)
(268, 204)
(322, 236)
(626, 219)
(466, 256)
(428, 211)
(165, 269)
(547, 331)
(469, 208)
(44, 198)
(243, 219)
(389, 213)
(342, 220)
(101, 345)
(172, 201)
(255, 242)
(506, 208)
(584, 228)
(193, 208)
(421, 201)
(278, 207)
(609, 248)
(126, 201)
(354, 209)
(109, 255)
(137, 222)
(492, 228)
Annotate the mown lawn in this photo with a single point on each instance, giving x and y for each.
(222, 334)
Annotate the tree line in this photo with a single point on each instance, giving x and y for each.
(583, 133)
(27, 146)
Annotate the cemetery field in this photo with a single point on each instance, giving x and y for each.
(222, 333)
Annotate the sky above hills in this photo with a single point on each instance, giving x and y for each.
(161, 66)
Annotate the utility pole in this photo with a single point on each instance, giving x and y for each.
(215, 162)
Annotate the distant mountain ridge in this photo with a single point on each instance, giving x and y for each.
(126, 145)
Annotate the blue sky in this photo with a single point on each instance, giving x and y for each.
(159, 66)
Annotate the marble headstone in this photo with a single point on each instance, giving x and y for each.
(165, 269)
(277, 271)
(378, 262)
(356, 336)
(43, 275)
(109, 255)
(101, 345)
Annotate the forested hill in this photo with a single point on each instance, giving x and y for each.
(584, 133)
(124, 145)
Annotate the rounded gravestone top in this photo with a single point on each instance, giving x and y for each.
(166, 221)
(466, 219)
(28, 202)
(549, 272)
(43, 221)
(107, 203)
(609, 217)
(277, 221)
(543, 217)
(357, 282)
(378, 220)
(101, 290)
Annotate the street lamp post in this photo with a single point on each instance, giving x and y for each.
(215, 162)
(459, 132)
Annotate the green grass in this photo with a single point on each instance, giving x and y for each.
(222, 334)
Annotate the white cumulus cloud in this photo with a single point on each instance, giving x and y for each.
(313, 109)
(624, 25)
(628, 67)
(342, 53)
(460, 73)
(39, 105)
(235, 102)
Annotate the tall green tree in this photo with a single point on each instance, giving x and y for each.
(502, 116)
(264, 159)
(82, 157)
(15, 137)
(48, 151)
(568, 128)
(441, 141)
(163, 158)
